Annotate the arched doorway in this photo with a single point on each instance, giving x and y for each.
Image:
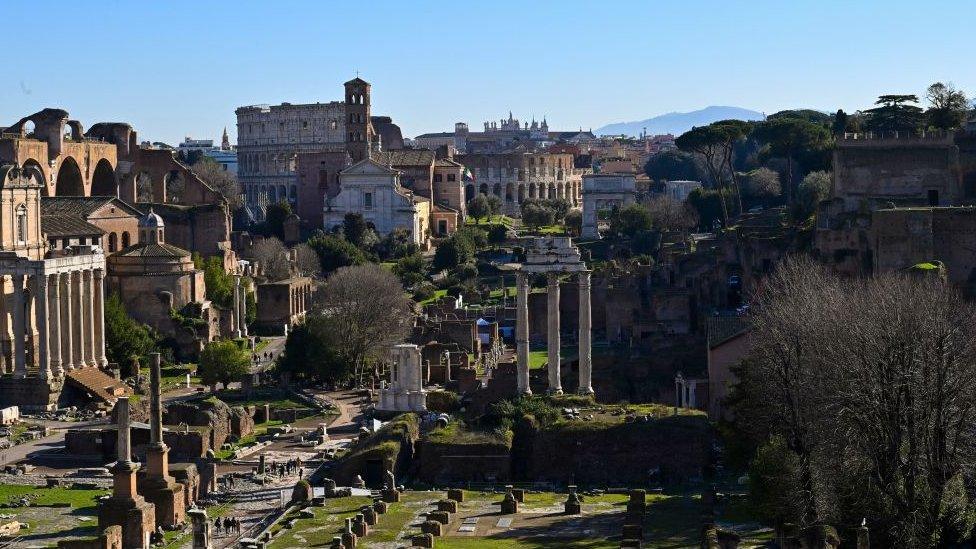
(104, 182)
(175, 186)
(144, 187)
(69, 182)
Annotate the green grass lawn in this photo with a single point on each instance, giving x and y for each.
(434, 298)
(78, 498)
(261, 345)
(538, 359)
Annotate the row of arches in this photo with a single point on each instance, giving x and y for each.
(70, 181)
(273, 193)
(268, 163)
(113, 241)
(569, 191)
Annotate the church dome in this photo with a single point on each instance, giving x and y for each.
(151, 221)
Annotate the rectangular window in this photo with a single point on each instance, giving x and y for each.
(437, 178)
(367, 201)
(451, 177)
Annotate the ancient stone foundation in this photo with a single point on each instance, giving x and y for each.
(110, 538)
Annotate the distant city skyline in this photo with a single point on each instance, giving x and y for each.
(175, 70)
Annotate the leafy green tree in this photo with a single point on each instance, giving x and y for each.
(810, 115)
(453, 251)
(536, 215)
(731, 133)
(574, 222)
(125, 339)
(631, 219)
(222, 362)
(396, 244)
(708, 142)
(814, 189)
(788, 138)
(355, 229)
(839, 124)
(335, 252)
(274, 220)
(410, 269)
(708, 205)
(773, 482)
(895, 113)
(479, 207)
(312, 354)
(220, 284)
(478, 238)
(673, 166)
(948, 106)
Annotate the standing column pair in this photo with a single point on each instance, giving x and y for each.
(522, 331)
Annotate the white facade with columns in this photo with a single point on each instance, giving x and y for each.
(555, 256)
(52, 316)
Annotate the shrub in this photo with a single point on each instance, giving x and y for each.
(443, 402)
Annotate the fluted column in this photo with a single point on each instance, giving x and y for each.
(522, 331)
(39, 282)
(75, 316)
(98, 303)
(88, 317)
(19, 328)
(585, 322)
(67, 328)
(54, 325)
(6, 338)
(553, 343)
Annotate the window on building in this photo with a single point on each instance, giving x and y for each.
(367, 201)
(22, 224)
(125, 239)
(437, 178)
(304, 123)
(113, 242)
(451, 177)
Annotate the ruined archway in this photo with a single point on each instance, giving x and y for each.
(175, 187)
(144, 187)
(70, 181)
(104, 182)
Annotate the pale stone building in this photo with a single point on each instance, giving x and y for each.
(373, 190)
(283, 304)
(51, 303)
(515, 177)
(405, 393)
(603, 191)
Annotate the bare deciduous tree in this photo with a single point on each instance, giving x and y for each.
(220, 179)
(669, 214)
(871, 384)
(307, 261)
(369, 311)
(272, 255)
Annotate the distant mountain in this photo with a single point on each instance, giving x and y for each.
(678, 123)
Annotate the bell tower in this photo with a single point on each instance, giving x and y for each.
(359, 129)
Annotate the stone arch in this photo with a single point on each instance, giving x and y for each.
(484, 188)
(469, 192)
(104, 182)
(533, 191)
(144, 187)
(174, 187)
(113, 242)
(521, 193)
(32, 169)
(126, 241)
(70, 181)
(509, 192)
(497, 190)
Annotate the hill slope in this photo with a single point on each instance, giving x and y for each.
(679, 122)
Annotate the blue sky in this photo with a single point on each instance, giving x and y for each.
(181, 68)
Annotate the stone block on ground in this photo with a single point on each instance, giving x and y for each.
(448, 505)
(633, 531)
(442, 517)
(349, 540)
(380, 507)
(432, 527)
(455, 494)
(519, 494)
(390, 495)
(422, 540)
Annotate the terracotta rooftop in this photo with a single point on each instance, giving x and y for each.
(82, 206)
(98, 384)
(61, 226)
(153, 249)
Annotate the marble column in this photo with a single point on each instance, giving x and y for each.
(243, 306)
(6, 338)
(98, 304)
(88, 317)
(585, 323)
(67, 323)
(19, 328)
(75, 316)
(39, 286)
(54, 324)
(553, 342)
(237, 307)
(124, 485)
(522, 331)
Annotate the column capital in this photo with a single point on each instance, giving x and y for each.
(99, 273)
